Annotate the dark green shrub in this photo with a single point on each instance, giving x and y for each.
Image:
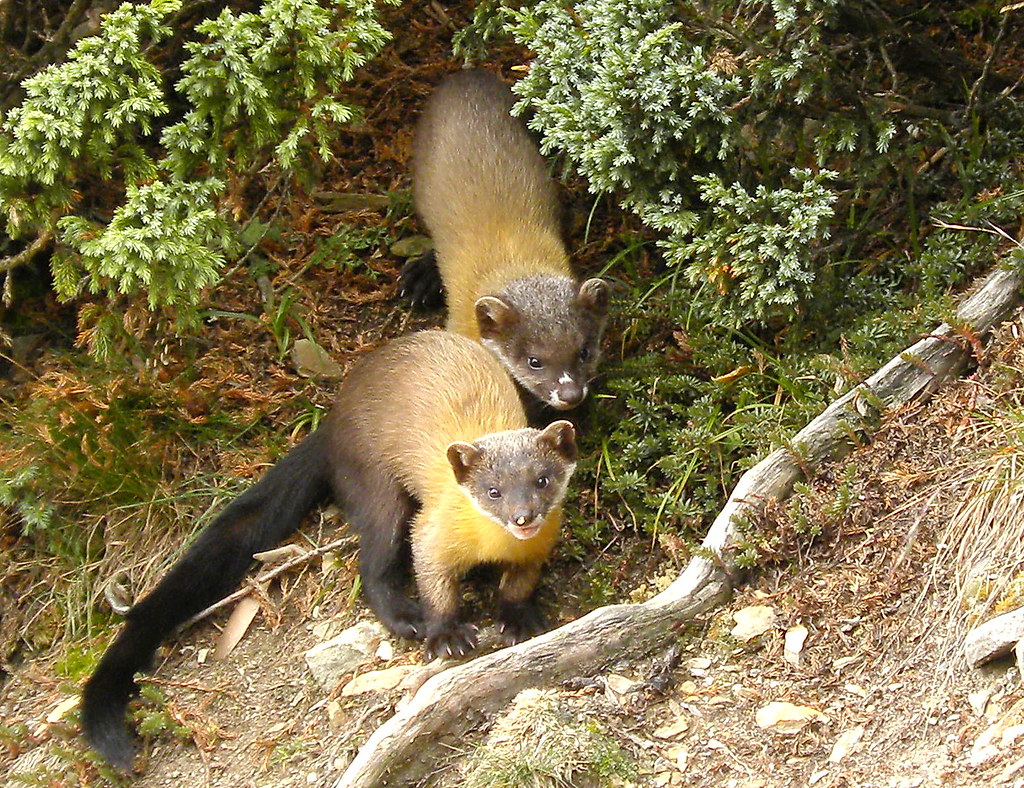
(792, 160)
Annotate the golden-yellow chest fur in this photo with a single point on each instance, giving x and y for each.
(457, 535)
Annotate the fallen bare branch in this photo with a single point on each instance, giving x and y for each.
(11, 262)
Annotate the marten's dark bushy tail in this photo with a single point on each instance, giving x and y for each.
(211, 568)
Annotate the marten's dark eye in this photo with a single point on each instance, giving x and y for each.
(542, 481)
(494, 493)
(584, 353)
(535, 363)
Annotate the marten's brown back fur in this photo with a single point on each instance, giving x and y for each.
(470, 395)
(483, 190)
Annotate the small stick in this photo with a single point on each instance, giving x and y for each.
(269, 575)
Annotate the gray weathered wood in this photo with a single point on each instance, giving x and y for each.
(455, 700)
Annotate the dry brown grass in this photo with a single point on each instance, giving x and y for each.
(982, 545)
(972, 508)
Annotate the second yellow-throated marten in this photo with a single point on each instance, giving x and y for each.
(483, 191)
(427, 453)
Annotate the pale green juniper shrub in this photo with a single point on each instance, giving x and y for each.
(258, 93)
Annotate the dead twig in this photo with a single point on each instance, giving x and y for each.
(270, 575)
(11, 262)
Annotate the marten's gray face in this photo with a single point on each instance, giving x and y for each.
(547, 333)
(517, 477)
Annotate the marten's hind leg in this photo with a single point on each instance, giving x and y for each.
(379, 510)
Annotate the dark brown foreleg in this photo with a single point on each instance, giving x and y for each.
(519, 614)
(437, 580)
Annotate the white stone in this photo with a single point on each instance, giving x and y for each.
(377, 680)
(673, 729)
(794, 644)
(385, 651)
(752, 621)
(619, 685)
(350, 650)
(783, 717)
(994, 638)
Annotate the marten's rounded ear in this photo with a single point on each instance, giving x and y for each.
(593, 296)
(560, 437)
(462, 457)
(495, 317)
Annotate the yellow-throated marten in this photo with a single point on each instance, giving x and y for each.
(484, 194)
(427, 453)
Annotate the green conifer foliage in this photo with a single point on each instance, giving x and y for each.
(746, 133)
(258, 91)
(83, 118)
(791, 159)
(675, 107)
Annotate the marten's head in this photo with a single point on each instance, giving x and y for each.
(517, 477)
(547, 330)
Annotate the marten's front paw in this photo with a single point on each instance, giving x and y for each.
(452, 640)
(412, 628)
(519, 621)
